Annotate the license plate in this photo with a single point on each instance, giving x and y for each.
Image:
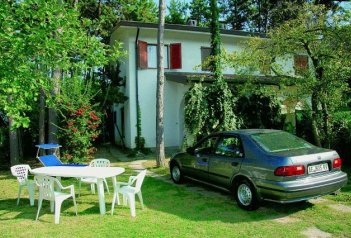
(318, 168)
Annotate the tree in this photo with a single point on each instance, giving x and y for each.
(200, 11)
(177, 12)
(236, 13)
(37, 38)
(138, 10)
(160, 141)
(319, 41)
(210, 108)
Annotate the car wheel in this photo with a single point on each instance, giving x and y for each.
(176, 174)
(246, 195)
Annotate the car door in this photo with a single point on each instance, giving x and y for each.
(202, 153)
(226, 160)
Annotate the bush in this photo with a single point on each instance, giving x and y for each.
(341, 135)
(259, 111)
(79, 129)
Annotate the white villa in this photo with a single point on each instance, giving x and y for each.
(186, 46)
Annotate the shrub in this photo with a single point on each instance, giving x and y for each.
(341, 134)
(259, 111)
(80, 127)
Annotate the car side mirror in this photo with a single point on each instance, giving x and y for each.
(238, 154)
(190, 150)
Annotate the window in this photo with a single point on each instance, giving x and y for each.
(152, 56)
(300, 64)
(230, 147)
(205, 53)
(207, 146)
(280, 141)
(147, 56)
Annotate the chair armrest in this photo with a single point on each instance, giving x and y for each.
(122, 183)
(131, 180)
(71, 187)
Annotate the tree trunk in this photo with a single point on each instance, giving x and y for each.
(41, 139)
(160, 143)
(315, 133)
(325, 114)
(53, 118)
(13, 137)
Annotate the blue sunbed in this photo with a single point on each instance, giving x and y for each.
(52, 159)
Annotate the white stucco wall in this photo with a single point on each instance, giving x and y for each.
(147, 78)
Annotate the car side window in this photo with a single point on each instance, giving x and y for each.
(207, 146)
(230, 146)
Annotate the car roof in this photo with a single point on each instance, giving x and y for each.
(245, 131)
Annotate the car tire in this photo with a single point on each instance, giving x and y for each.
(176, 173)
(246, 195)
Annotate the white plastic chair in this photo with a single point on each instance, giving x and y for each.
(21, 172)
(47, 191)
(128, 192)
(93, 181)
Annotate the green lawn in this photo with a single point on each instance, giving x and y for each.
(189, 210)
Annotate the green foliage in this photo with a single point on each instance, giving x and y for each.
(236, 13)
(259, 110)
(210, 108)
(80, 121)
(37, 37)
(138, 10)
(177, 12)
(200, 11)
(341, 134)
(323, 38)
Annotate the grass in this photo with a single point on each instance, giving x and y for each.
(189, 210)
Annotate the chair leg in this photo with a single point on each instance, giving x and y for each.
(131, 201)
(52, 206)
(141, 199)
(114, 201)
(108, 191)
(125, 200)
(79, 187)
(31, 193)
(40, 202)
(75, 204)
(58, 203)
(19, 194)
(92, 187)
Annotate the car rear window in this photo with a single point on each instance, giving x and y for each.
(280, 141)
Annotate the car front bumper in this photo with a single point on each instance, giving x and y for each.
(301, 189)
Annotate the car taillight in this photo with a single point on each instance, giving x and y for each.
(337, 163)
(289, 170)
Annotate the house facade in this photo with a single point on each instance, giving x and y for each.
(185, 48)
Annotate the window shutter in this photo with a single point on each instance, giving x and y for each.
(142, 54)
(301, 62)
(176, 55)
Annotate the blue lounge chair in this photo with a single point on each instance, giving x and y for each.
(52, 159)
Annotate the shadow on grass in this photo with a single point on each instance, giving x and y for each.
(197, 201)
(10, 211)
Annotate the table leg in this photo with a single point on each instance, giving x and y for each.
(115, 194)
(100, 189)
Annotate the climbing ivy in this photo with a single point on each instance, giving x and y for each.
(210, 107)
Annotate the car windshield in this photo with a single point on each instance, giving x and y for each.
(280, 141)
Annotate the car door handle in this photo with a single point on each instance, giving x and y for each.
(235, 164)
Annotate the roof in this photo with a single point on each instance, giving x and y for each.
(188, 28)
(185, 77)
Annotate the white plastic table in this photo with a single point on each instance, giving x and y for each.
(79, 172)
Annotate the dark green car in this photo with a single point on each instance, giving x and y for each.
(261, 164)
